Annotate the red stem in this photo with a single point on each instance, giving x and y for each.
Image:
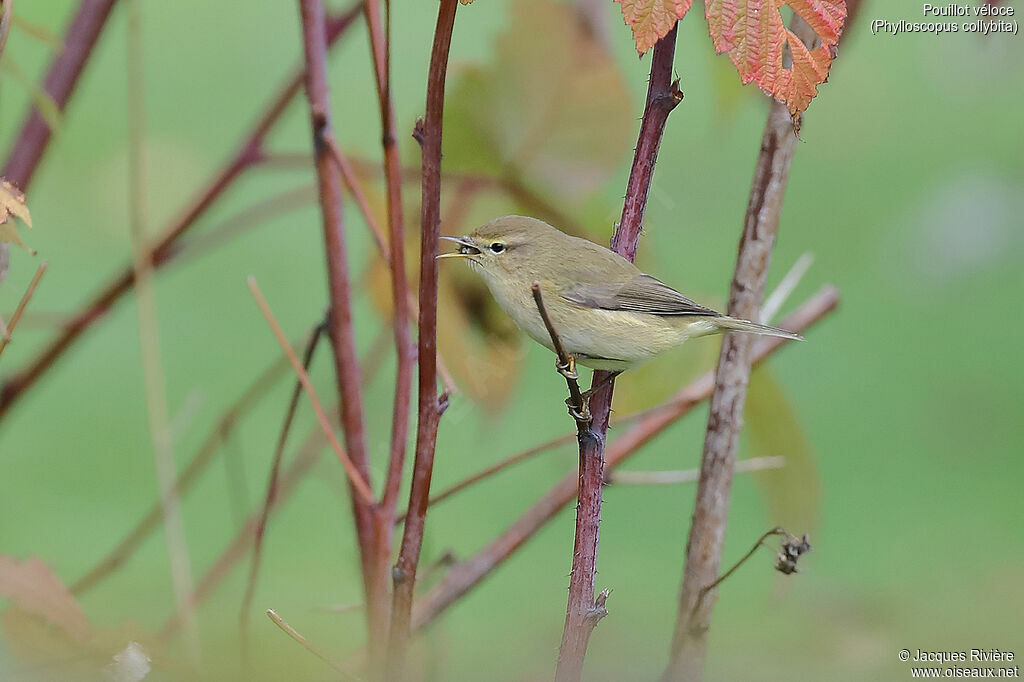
(711, 507)
(380, 45)
(582, 613)
(430, 406)
(339, 324)
(468, 573)
(24, 157)
(61, 79)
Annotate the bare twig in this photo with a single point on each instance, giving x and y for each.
(711, 508)
(272, 482)
(354, 188)
(189, 475)
(61, 79)
(306, 644)
(777, 530)
(307, 457)
(689, 475)
(775, 300)
(22, 304)
(35, 134)
(495, 468)
(663, 95)
(470, 572)
(430, 406)
(149, 335)
(566, 366)
(355, 477)
(342, 333)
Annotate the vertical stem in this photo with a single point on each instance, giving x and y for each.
(711, 508)
(380, 48)
(339, 325)
(430, 406)
(149, 335)
(582, 611)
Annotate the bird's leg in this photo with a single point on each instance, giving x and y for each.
(568, 370)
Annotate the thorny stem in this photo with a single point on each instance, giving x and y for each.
(32, 142)
(469, 572)
(430, 406)
(663, 95)
(711, 507)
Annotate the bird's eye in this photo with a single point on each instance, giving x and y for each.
(497, 247)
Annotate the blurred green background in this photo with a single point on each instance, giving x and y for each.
(907, 188)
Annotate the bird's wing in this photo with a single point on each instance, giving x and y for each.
(642, 294)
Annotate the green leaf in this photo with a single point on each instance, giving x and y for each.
(772, 429)
(551, 110)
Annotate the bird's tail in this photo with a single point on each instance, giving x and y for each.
(734, 324)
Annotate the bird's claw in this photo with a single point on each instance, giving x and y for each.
(567, 370)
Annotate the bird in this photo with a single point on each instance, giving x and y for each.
(608, 313)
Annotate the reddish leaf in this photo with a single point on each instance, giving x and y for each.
(652, 19)
(754, 35)
(37, 591)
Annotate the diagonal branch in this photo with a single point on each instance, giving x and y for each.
(25, 156)
(468, 573)
(430, 406)
(359, 485)
(711, 507)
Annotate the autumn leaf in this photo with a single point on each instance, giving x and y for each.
(12, 204)
(651, 20)
(37, 591)
(754, 35)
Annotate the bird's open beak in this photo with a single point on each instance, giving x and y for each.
(466, 248)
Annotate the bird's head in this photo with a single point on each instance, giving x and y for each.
(508, 245)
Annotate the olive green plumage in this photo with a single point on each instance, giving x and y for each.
(608, 313)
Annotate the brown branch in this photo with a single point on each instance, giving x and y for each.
(566, 366)
(495, 468)
(430, 406)
(358, 483)
(380, 48)
(189, 475)
(26, 155)
(340, 296)
(272, 482)
(61, 79)
(22, 304)
(470, 572)
(307, 457)
(355, 189)
(711, 507)
(663, 95)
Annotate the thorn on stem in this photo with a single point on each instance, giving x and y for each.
(419, 131)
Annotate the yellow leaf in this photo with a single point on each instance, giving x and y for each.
(12, 204)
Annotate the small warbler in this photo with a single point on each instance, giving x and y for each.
(608, 313)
